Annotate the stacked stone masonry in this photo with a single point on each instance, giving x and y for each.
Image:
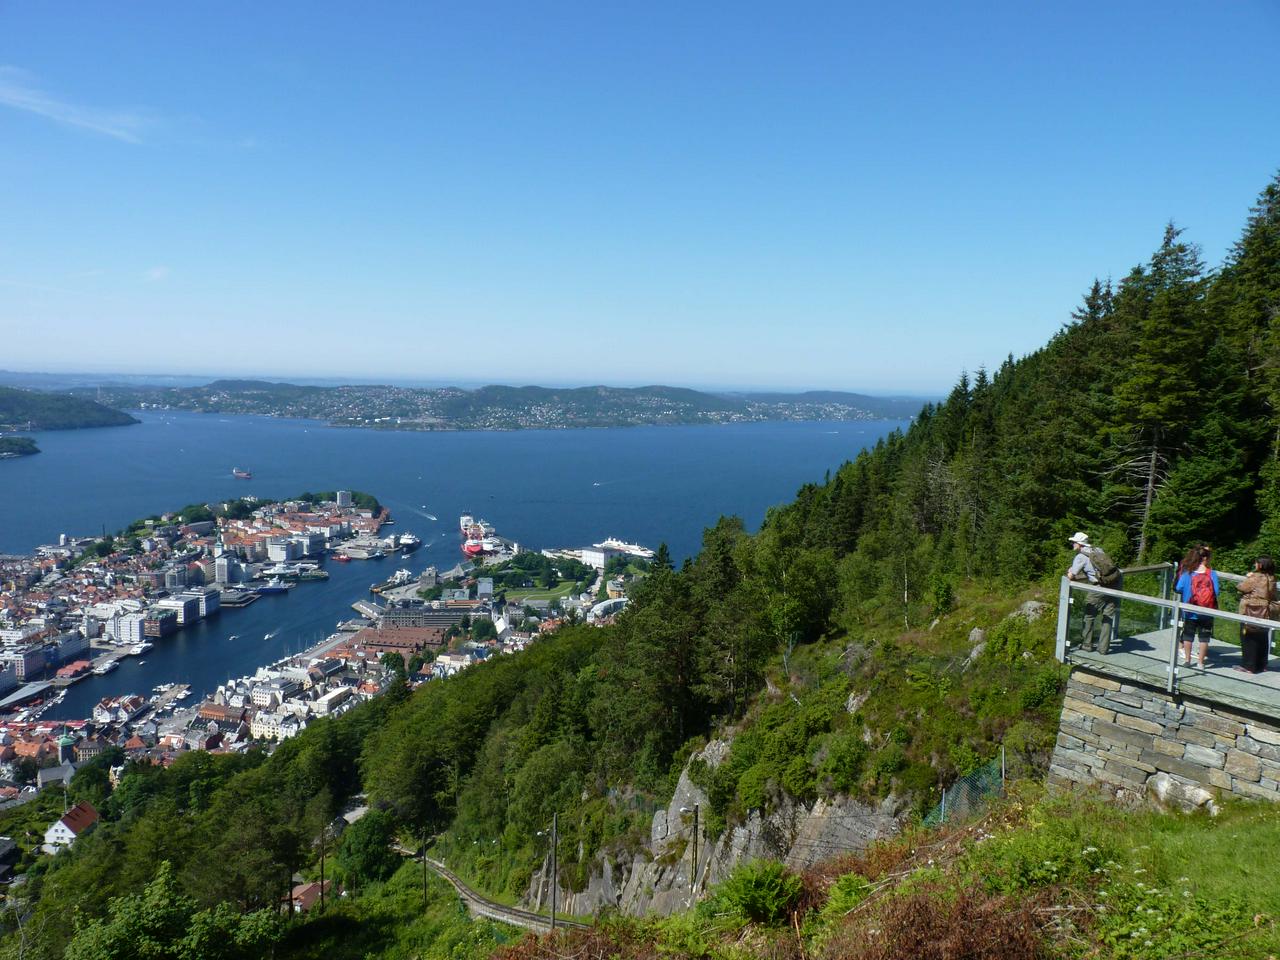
(1135, 740)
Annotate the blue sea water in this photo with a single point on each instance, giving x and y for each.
(554, 488)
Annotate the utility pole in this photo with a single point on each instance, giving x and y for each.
(693, 880)
(323, 831)
(555, 824)
(693, 876)
(424, 868)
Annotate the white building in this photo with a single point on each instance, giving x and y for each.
(184, 605)
(72, 824)
(447, 664)
(330, 700)
(208, 599)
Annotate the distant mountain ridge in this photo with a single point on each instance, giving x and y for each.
(501, 406)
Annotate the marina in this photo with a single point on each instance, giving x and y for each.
(543, 496)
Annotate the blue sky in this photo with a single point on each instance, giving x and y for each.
(866, 197)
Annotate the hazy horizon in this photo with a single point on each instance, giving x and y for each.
(868, 197)
(170, 378)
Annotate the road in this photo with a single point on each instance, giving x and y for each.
(483, 907)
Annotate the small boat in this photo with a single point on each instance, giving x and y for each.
(342, 558)
(141, 662)
(269, 635)
(234, 636)
(241, 474)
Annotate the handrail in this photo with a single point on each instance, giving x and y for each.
(1147, 568)
(1218, 612)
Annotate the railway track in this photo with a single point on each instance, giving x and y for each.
(483, 907)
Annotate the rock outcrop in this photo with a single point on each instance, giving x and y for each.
(658, 877)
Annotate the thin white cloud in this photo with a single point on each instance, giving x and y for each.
(156, 274)
(19, 92)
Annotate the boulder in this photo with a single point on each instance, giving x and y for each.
(977, 644)
(1177, 795)
(1031, 611)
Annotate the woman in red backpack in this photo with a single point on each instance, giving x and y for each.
(1197, 584)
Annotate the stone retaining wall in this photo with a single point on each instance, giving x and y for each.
(1137, 741)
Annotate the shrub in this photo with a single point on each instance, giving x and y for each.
(1053, 853)
(924, 926)
(762, 891)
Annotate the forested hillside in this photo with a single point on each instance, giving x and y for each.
(34, 410)
(832, 644)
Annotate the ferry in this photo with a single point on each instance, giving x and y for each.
(634, 549)
(241, 474)
(140, 648)
(274, 585)
(103, 669)
(342, 558)
(409, 542)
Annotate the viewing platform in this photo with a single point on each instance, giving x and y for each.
(1138, 722)
(1144, 646)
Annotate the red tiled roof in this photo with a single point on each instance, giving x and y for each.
(80, 817)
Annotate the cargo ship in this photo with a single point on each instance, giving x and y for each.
(241, 474)
(478, 537)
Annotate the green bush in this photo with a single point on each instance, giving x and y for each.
(1052, 853)
(762, 891)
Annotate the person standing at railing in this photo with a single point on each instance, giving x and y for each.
(1091, 564)
(1197, 584)
(1257, 599)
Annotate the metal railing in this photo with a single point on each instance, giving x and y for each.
(1168, 614)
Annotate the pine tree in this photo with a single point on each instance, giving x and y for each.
(1156, 398)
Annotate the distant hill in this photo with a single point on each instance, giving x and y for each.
(502, 407)
(34, 410)
(891, 408)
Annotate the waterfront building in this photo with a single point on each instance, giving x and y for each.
(344, 499)
(208, 599)
(184, 606)
(159, 622)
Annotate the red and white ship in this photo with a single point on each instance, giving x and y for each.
(478, 535)
(241, 474)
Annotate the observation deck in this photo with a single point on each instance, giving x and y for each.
(1145, 649)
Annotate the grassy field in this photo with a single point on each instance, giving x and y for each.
(561, 590)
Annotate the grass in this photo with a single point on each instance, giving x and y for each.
(519, 594)
(26, 824)
(1038, 877)
(388, 921)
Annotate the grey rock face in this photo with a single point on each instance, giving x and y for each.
(658, 879)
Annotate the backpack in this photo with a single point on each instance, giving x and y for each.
(1108, 572)
(1202, 592)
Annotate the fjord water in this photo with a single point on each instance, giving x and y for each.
(541, 488)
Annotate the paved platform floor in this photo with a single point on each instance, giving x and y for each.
(1145, 657)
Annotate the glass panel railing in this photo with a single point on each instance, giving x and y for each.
(1146, 644)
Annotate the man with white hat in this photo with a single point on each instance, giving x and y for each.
(1084, 568)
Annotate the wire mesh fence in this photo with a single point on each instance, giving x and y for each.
(970, 793)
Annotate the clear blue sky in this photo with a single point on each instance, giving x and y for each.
(792, 195)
